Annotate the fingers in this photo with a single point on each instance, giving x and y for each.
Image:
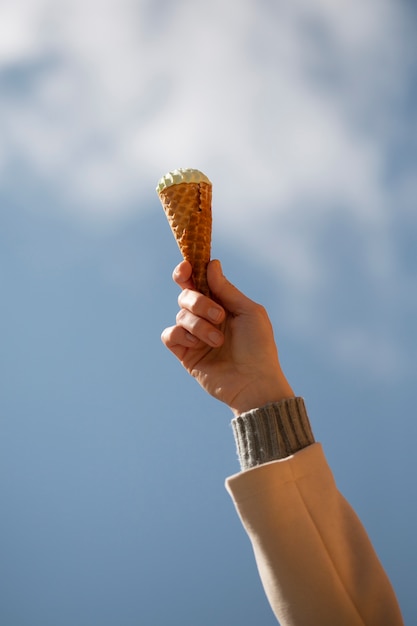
(199, 317)
(226, 293)
(182, 275)
(178, 340)
(196, 323)
(201, 306)
(190, 333)
(199, 328)
(197, 320)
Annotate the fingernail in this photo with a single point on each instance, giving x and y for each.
(214, 314)
(215, 338)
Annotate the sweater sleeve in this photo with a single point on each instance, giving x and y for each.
(315, 560)
(272, 432)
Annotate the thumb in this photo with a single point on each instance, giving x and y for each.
(224, 292)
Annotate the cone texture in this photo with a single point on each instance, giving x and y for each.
(187, 206)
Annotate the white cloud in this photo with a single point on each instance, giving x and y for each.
(290, 108)
(19, 23)
(117, 100)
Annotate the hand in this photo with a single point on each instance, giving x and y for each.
(227, 344)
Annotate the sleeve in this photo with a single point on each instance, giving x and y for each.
(316, 562)
(271, 432)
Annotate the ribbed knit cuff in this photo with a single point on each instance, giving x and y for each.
(272, 432)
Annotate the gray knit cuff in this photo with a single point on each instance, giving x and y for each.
(272, 432)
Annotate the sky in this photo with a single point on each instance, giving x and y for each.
(112, 460)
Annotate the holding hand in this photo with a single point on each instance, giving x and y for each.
(228, 344)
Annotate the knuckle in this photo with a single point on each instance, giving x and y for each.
(260, 310)
(182, 298)
(188, 298)
(166, 335)
(181, 316)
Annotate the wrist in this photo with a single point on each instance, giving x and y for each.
(260, 394)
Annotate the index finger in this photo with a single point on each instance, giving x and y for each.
(182, 275)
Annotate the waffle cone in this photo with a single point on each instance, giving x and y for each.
(187, 206)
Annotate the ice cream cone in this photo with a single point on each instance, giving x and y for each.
(185, 195)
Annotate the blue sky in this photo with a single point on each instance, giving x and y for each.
(112, 461)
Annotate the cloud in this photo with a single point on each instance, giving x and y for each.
(294, 110)
(123, 87)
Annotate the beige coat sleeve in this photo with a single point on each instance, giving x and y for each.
(314, 557)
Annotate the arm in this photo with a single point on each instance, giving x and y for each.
(315, 560)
